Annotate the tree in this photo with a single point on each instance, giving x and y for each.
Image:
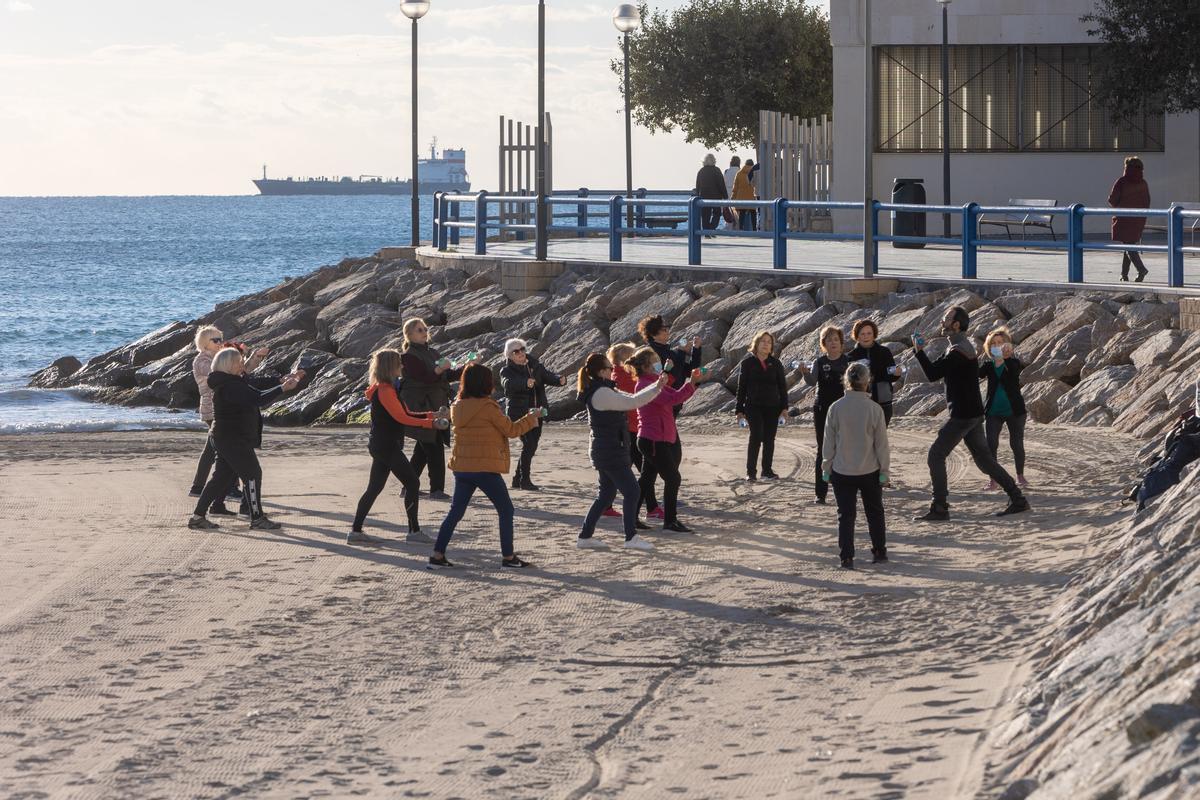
(711, 66)
(1151, 61)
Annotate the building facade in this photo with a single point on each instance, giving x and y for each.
(1023, 121)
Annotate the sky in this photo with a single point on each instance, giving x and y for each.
(149, 97)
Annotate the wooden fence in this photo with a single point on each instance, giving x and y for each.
(796, 158)
(518, 165)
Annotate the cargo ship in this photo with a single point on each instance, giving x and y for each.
(445, 174)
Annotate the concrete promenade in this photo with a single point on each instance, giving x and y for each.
(1018, 265)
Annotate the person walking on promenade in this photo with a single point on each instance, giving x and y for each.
(1004, 405)
(761, 402)
(236, 434)
(959, 368)
(743, 189)
(608, 447)
(386, 446)
(827, 375)
(710, 185)
(657, 335)
(209, 340)
(880, 360)
(617, 356)
(735, 164)
(1130, 191)
(523, 380)
(479, 458)
(856, 461)
(658, 438)
(426, 387)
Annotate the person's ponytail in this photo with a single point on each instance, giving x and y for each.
(590, 371)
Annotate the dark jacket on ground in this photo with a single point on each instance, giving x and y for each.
(710, 184)
(1130, 191)
(423, 389)
(236, 404)
(960, 371)
(514, 382)
(1010, 379)
(608, 445)
(881, 360)
(761, 384)
(827, 375)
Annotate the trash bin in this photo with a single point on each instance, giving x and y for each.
(908, 223)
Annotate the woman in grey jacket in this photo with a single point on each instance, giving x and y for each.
(857, 459)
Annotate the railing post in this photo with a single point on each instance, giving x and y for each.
(481, 224)
(639, 211)
(693, 231)
(442, 232)
(1174, 246)
(970, 262)
(614, 228)
(875, 237)
(455, 232)
(1075, 243)
(523, 217)
(437, 217)
(779, 232)
(581, 213)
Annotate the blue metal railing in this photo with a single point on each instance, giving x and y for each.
(653, 206)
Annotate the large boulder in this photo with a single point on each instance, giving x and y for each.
(732, 307)
(568, 353)
(782, 316)
(899, 326)
(521, 314)
(669, 303)
(1070, 315)
(57, 374)
(711, 397)
(932, 321)
(1041, 398)
(1063, 360)
(631, 297)
(283, 315)
(358, 333)
(712, 334)
(311, 402)
(1026, 323)
(471, 314)
(1095, 391)
(1157, 350)
(1016, 303)
(986, 319)
(347, 292)
(701, 309)
(920, 400)
(1142, 315)
(1115, 350)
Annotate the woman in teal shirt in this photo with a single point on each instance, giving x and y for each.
(1004, 404)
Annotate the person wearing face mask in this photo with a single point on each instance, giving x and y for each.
(761, 401)
(826, 374)
(959, 368)
(658, 438)
(881, 362)
(1004, 405)
(523, 381)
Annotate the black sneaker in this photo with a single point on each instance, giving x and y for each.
(438, 562)
(219, 510)
(530, 486)
(201, 524)
(677, 526)
(234, 494)
(641, 526)
(770, 475)
(878, 556)
(750, 478)
(195, 492)
(820, 501)
(1017, 506)
(847, 563)
(360, 538)
(264, 523)
(515, 563)
(935, 513)
(438, 496)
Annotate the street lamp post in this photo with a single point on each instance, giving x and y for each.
(868, 145)
(414, 10)
(945, 4)
(627, 19)
(540, 231)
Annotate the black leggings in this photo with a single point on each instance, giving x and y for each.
(382, 466)
(819, 424)
(529, 446)
(433, 455)
(662, 459)
(205, 464)
(1016, 437)
(710, 218)
(764, 424)
(1131, 256)
(235, 459)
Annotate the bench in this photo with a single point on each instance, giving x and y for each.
(663, 221)
(1023, 219)
(1189, 225)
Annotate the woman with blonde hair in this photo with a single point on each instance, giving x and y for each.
(236, 434)
(388, 420)
(609, 447)
(426, 387)
(1004, 405)
(826, 374)
(761, 401)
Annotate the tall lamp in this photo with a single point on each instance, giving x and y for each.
(945, 4)
(627, 19)
(541, 232)
(414, 10)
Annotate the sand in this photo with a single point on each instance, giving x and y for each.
(141, 659)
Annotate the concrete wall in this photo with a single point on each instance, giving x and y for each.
(1174, 175)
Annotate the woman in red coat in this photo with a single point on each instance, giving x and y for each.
(1130, 191)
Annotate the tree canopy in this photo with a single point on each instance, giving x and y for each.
(709, 67)
(1151, 61)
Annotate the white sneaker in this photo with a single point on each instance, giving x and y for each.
(590, 544)
(638, 543)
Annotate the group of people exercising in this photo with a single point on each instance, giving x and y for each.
(632, 396)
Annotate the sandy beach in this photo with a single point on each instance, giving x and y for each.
(141, 659)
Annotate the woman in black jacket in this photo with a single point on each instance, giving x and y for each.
(524, 383)
(1004, 405)
(826, 374)
(882, 363)
(761, 401)
(236, 433)
(710, 185)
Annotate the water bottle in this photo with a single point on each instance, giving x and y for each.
(444, 362)
(668, 365)
(683, 343)
(794, 365)
(545, 413)
(699, 372)
(918, 339)
(471, 355)
(783, 419)
(742, 423)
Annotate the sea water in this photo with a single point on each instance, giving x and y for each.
(82, 275)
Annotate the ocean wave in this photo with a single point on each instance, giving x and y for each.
(97, 425)
(26, 410)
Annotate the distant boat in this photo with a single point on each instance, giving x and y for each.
(445, 174)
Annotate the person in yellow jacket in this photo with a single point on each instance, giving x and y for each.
(743, 189)
(479, 458)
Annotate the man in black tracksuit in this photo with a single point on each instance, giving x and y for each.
(959, 368)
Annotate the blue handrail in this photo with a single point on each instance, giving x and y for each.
(655, 206)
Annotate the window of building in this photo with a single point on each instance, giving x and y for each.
(1002, 99)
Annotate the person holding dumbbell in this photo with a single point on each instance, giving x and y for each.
(523, 381)
(761, 402)
(426, 387)
(880, 361)
(388, 420)
(826, 374)
(657, 335)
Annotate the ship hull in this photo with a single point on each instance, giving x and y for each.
(277, 188)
